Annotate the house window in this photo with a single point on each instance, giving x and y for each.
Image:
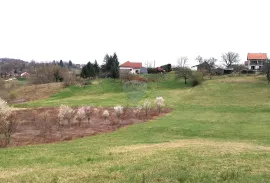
(252, 67)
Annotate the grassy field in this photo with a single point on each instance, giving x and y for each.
(218, 132)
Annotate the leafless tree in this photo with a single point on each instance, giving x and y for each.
(44, 125)
(212, 62)
(230, 58)
(199, 59)
(181, 70)
(182, 61)
(8, 128)
(148, 64)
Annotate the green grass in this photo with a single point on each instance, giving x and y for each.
(218, 132)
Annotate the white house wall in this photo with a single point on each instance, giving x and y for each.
(132, 71)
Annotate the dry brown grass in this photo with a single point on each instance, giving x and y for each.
(243, 79)
(209, 145)
(35, 92)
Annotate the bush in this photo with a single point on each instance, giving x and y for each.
(8, 123)
(88, 113)
(197, 78)
(5, 110)
(159, 103)
(137, 110)
(80, 115)
(105, 114)
(44, 125)
(12, 95)
(146, 107)
(118, 110)
(65, 112)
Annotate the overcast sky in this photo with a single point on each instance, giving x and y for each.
(137, 30)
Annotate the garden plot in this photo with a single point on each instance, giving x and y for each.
(44, 125)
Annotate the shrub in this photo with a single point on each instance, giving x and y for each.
(8, 123)
(65, 113)
(8, 127)
(159, 101)
(12, 95)
(5, 110)
(43, 125)
(146, 107)
(137, 110)
(80, 115)
(88, 113)
(105, 114)
(197, 78)
(118, 110)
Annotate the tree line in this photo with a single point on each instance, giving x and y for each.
(109, 68)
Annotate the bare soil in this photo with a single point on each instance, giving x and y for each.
(38, 126)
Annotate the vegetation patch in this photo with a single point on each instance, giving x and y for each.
(47, 125)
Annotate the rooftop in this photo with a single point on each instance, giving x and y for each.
(134, 65)
(257, 56)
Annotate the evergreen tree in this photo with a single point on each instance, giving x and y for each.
(115, 66)
(111, 65)
(70, 64)
(61, 63)
(115, 70)
(96, 68)
(84, 72)
(90, 70)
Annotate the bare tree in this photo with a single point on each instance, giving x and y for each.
(211, 62)
(230, 58)
(182, 71)
(9, 127)
(182, 61)
(148, 64)
(199, 59)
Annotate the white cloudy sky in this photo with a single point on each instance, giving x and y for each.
(137, 30)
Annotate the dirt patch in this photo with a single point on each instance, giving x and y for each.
(37, 126)
(35, 92)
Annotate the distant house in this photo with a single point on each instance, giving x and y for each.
(131, 67)
(255, 61)
(25, 74)
(203, 67)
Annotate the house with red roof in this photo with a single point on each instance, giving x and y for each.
(255, 61)
(131, 67)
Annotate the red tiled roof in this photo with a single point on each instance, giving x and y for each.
(134, 65)
(257, 56)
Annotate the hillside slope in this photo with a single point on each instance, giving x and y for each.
(218, 132)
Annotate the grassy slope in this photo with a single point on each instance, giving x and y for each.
(219, 131)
